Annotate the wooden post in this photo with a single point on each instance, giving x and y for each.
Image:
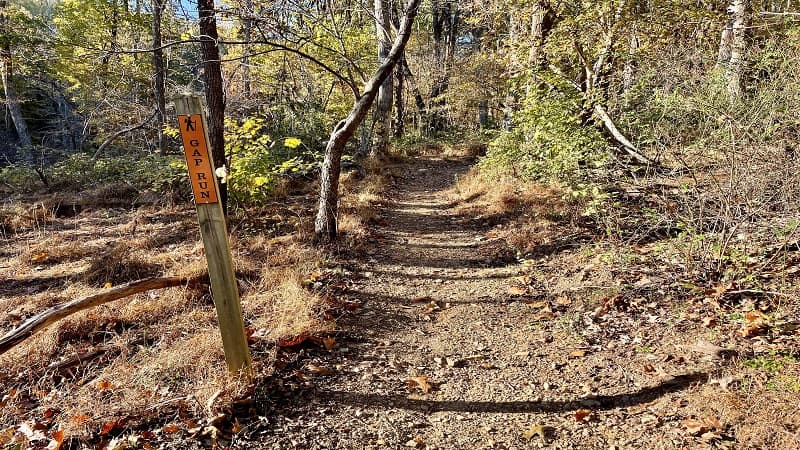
(192, 123)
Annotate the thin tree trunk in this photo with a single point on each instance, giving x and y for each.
(159, 87)
(215, 95)
(325, 226)
(383, 105)
(412, 84)
(248, 31)
(725, 42)
(629, 71)
(7, 74)
(737, 67)
(399, 104)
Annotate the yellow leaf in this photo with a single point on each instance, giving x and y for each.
(535, 430)
(39, 257)
(107, 285)
(292, 142)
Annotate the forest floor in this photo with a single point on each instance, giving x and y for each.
(437, 333)
(460, 345)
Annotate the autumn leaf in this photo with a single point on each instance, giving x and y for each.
(329, 342)
(107, 286)
(709, 322)
(696, 427)
(755, 323)
(171, 428)
(6, 436)
(104, 385)
(583, 414)
(422, 383)
(577, 354)
(58, 439)
(237, 426)
(108, 427)
(517, 290)
(39, 257)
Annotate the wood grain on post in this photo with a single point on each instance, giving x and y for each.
(194, 131)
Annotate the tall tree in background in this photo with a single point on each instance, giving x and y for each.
(215, 95)
(7, 74)
(383, 105)
(737, 66)
(325, 225)
(159, 75)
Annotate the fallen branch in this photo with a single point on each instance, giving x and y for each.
(119, 133)
(608, 123)
(48, 317)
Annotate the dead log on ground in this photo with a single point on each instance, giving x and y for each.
(48, 317)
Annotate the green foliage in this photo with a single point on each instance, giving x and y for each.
(258, 162)
(549, 142)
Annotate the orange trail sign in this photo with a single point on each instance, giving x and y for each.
(195, 147)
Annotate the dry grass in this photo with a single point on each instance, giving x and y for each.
(155, 355)
(537, 211)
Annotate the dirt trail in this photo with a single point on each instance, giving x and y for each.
(436, 305)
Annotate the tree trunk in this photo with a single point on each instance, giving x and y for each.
(215, 95)
(248, 31)
(383, 106)
(725, 42)
(7, 74)
(399, 105)
(737, 67)
(325, 227)
(159, 87)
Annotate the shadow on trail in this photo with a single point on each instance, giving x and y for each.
(645, 395)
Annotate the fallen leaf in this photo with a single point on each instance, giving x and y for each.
(577, 354)
(237, 426)
(110, 426)
(709, 322)
(422, 383)
(755, 323)
(694, 426)
(171, 428)
(107, 285)
(39, 257)
(648, 368)
(563, 301)
(58, 439)
(6, 436)
(539, 304)
(416, 442)
(329, 342)
(535, 430)
(544, 314)
(104, 385)
(293, 341)
(517, 290)
(583, 414)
